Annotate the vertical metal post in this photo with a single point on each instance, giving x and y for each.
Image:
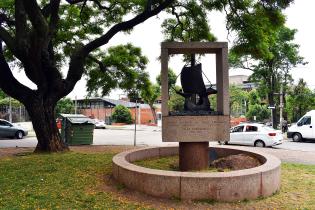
(135, 135)
(281, 106)
(98, 110)
(105, 110)
(20, 113)
(75, 105)
(271, 117)
(245, 105)
(10, 110)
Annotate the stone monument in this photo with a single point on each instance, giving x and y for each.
(198, 123)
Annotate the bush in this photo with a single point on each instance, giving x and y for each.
(122, 115)
(260, 111)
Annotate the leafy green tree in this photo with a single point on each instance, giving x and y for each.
(6, 102)
(188, 24)
(172, 77)
(150, 95)
(300, 100)
(256, 108)
(147, 92)
(254, 97)
(42, 36)
(123, 67)
(2, 94)
(65, 106)
(238, 100)
(213, 101)
(271, 66)
(121, 114)
(176, 102)
(260, 111)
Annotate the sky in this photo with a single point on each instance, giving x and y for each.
(148, 36)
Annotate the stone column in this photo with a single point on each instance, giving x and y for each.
(193, 156)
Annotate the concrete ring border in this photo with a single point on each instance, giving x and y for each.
(238, 185)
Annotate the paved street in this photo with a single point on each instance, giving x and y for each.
(307, 146)
(151, 136)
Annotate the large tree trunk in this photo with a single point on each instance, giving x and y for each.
(44, 124)
(153, 113)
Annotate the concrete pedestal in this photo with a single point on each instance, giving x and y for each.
(193, 156)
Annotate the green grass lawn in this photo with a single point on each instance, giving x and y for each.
(169, 163)
(57, 181)
(76, 181)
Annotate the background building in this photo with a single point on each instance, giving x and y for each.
(102, 109)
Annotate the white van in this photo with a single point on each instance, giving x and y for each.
(304, 128)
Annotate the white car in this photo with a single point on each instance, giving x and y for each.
(99, 123)
(255, 134)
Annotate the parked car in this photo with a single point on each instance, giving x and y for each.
(8, 129)
(255, 134)
(99, 123)
(304, 128)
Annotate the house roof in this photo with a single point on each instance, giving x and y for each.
(77, 118)
(114, 102)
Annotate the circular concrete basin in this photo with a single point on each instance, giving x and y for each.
(250, 183)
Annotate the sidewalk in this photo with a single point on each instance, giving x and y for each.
(132, 127)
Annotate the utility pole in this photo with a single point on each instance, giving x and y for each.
(139, 113)
(281, 106)
(10, 110)
(135, 135)
(20, 113)
(271, 107)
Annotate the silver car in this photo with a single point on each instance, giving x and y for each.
(8, 129)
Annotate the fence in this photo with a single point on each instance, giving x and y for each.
(19, 114)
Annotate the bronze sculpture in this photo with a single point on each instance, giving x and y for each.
(194, 90)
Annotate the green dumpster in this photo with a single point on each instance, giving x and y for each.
(76, 129)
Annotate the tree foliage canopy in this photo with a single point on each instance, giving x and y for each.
(121, 67)
(65, 106)
(2, 94)
(256, 108)
(300, 100)
(172, 77)
(41, 36)
(271, 70)
(238, 98)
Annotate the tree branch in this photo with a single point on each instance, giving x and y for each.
(9, 84)
(76, 66)
(36, 17)
(179, 22)
(8, 39)
(149, 5)
(124, 26)
(21, 26)
(100, 6)
(54, 17)
(5, 19)
(103, 68)
(46, 10)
